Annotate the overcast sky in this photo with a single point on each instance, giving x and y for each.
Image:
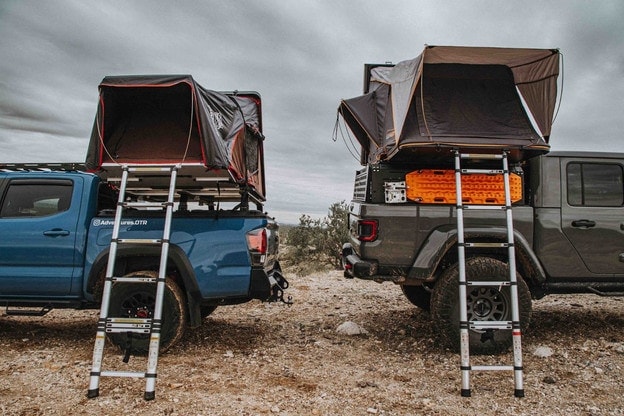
(301, 56)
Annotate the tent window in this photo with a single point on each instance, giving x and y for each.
(471, 100)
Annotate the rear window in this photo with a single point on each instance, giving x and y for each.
(595, 184)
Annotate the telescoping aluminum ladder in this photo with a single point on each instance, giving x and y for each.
(150, 325)
(464, 325)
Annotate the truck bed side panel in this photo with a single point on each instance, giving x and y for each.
(216, 247)
(403, 228)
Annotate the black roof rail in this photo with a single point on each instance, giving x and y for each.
(41, 167)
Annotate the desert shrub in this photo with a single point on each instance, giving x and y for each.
(316, 243)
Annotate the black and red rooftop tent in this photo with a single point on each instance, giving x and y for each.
(475, 98)
(216, 137)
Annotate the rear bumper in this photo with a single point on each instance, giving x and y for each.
(354, 266)
(361, 268)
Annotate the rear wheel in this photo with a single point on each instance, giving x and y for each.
(484, 303)
(137, 300)
(418, 296)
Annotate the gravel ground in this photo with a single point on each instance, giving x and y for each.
(271, 359)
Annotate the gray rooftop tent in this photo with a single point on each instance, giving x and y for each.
(170, 119)
(473, 98)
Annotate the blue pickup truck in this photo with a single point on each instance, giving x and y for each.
(56, 224)
(59, 221)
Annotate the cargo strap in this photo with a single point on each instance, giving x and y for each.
(487, 326)
(130, 326)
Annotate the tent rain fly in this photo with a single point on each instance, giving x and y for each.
(475, 98)
(170, 119)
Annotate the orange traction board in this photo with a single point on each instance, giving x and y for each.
(437, 186)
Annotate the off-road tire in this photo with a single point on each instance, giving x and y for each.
(418, 296)
(445, 305)
(137, 300)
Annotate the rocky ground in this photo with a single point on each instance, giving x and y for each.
(270, 359)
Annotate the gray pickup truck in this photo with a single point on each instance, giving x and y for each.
(569, 237)
(568, 207)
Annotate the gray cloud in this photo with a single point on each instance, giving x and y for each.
(303, 57)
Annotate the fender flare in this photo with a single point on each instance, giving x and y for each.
(176, 257)
(444, 238)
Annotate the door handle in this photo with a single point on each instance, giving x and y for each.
(57, 232)
(583, 223)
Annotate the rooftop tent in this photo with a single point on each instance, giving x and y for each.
(157, 120)
(474, 98)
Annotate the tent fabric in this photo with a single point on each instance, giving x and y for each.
(165, 119)
(454, 96)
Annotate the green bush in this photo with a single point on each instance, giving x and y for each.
(317, 243)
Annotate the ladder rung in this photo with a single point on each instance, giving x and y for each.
(485, 207)
(483, 171)
(492, 367)
(118, 179)
(122, 374)
(120, 320)
(143, 204)
(149, 169)
(139, 241)
(488, 283)
(481, 156)
(485, 325)
(486, 245)
(124, 330)
(137, 279)
(136, 325)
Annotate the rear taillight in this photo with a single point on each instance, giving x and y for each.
(367, 230)
(257, 243)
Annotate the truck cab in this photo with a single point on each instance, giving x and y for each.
(41, 214)
(579, 231)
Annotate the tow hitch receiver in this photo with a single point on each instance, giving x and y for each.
(278, 285)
